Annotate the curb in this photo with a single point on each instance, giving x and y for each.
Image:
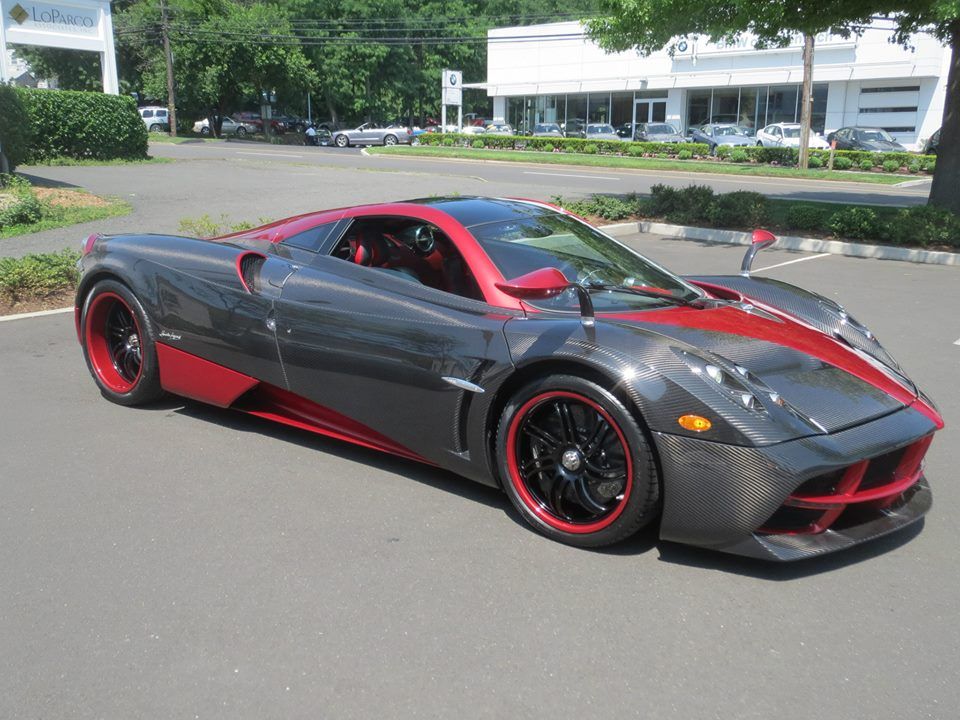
(38, 313)
(787, 242)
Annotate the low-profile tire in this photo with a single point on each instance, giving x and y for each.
(389, 139)
(575, 463)
(341, 141)
(118, 342)
(241, 132)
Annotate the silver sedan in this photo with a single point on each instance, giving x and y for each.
(372, 134)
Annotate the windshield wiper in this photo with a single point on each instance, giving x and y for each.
(656, 295)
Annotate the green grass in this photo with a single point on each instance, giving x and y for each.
(164, 138)
(55, 217)
(69, 162)
(613, 161)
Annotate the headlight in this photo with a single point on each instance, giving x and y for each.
(734, 385)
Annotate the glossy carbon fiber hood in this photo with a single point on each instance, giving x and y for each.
(820, 378)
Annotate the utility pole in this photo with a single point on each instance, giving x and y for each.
(806, 109)
(171, 97)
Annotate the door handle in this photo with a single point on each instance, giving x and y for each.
(271, 321)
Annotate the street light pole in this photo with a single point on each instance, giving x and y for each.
(168, 54)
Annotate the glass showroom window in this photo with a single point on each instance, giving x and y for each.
(698, 108)
(752, 100)
(515, 113)
(599, 108)
(819, 114)
(576, 115)
(726, 102)
(621, 108)
(551, 108)
(782, 104)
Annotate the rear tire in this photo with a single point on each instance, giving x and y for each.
(389, 139)
(575, 463)
(118, 342)
(155, 128)
(241, 132)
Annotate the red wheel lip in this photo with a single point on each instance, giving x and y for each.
(96, 343)
(529, 500)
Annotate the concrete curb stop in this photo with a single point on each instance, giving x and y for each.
(787, 242)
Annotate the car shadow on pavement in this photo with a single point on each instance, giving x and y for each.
(44, 182)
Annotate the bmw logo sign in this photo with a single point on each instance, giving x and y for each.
(682, 46)
(453, 79)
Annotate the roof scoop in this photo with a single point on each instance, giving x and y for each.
(761, 239)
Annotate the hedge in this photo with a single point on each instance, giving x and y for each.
(83, 125)
(761, 155)
(14, 127)
(563, 144)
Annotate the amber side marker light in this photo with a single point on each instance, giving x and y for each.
(694, 423)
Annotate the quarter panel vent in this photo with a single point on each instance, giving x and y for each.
(248, 268)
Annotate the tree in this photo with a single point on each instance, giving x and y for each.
(650, 25)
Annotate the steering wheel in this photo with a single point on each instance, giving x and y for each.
(423, 240)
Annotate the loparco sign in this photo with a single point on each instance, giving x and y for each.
(53, 18)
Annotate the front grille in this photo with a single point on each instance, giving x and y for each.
(852, 495)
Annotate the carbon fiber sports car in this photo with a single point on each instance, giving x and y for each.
(510, 342)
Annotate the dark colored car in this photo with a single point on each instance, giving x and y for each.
(715, 135)
(932, 145)
(864, 138)
(627, 131)
(659, 132)
(511, 343)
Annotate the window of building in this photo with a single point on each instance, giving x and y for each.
(902, 88)
(514, 116)
(621, 108)
(698, 107)
(782, 103)
(726, 105)
(576, 115)
(599, 111)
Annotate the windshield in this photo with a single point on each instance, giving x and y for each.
(547, 128)
(730, 130)
(661, 130)
(874, 135)
(584, 256)
(597, 129)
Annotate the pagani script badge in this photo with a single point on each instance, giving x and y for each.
(169, 335)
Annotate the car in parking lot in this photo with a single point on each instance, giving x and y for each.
(932, 145)
(228, 126)
(716, 135)
(659, 132)
(601, 131)
(872, 139)
(547, 130)
(788, 135)
(155, 118)
(500, 129)
(373, 133)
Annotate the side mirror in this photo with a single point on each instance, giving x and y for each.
(761, 239)
(546, 283)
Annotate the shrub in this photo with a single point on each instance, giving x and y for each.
(635, 150)
(857, 223)
(689, 205)
(891, 166)
(38, 275)
(448, 142)
(477, 144)
(814, 162)
(914, 167)
(723, 151)
(806, 217)
(842, 163)
(684, 155)
(929, 165)
(738, 209)
(663, 199)
(925, 225)
(547, 148)
(866, 164)
(15, 128)
(74, 124)
(20, 205)
(590, 149)
(739, 156)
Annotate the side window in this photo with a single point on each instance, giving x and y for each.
(147, 113)
(311, 239)
(161, 113)
(408, 249)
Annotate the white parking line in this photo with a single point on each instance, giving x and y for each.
(957, 342)
(244, 152)
(791, 262)
(39, 313)
(589, 177)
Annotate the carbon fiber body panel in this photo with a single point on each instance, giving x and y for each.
(717, 495)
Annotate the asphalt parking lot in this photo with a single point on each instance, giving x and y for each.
(180, 561)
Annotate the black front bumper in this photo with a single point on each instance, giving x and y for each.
(719, 496)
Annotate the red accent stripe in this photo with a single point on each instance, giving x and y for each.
(193, 377)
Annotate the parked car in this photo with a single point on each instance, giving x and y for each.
(372, 133)
(727, 135)
(252, 118)
(865, 138)
(155, 118)
(932, 145)
(228, 126)
(291, 122)
(500, 129)
(574, 127)
(627, 131)
(473, 130)
(474, 119)
(787, 135)
(547, 130)
(317, 136)
(601, 131)
(510, 342)
(659, 132)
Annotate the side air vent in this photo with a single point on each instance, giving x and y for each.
(248, 268)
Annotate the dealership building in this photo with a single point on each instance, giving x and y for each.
(553, 73)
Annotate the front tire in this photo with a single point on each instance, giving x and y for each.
(575, 463)
(341, 141)
(155, 128)
(118, 345)
(204, 131)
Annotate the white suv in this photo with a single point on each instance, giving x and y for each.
(155, 118)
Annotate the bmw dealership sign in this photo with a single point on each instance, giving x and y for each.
(68, 24)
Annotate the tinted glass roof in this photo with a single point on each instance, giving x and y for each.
(475, 210)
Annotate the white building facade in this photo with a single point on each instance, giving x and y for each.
(552, 73)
